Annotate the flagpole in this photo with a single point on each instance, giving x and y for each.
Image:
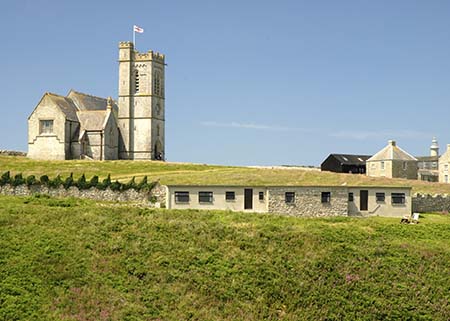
(134, 38)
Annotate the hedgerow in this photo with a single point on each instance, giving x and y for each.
(81, 183)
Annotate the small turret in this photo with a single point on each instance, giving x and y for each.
(434, 148)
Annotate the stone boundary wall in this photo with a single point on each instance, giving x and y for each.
(154, 198)
(12, 153)
(424, 203)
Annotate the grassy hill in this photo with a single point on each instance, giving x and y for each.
(80, 260)
(178, 173)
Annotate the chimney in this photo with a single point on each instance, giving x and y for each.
(391, 142)
(109, 103)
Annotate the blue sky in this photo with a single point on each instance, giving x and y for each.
(247, 82)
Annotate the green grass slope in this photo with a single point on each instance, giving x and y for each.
(67, 259)
(198, 174)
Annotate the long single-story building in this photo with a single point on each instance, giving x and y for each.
(345, 163)
(303, 201)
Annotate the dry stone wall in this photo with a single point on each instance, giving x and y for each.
(154, 198)
(424, 203)
(308, 201)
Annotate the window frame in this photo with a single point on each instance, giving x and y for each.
(382, 165)
(289, 197)
(41, 126)
(325, 197)
(177, 197)
(261, 196)
(351, 197)
(229, 193)
(398, 198)
(205, 197)
(380, 197)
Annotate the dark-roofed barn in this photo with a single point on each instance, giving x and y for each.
(345, 163)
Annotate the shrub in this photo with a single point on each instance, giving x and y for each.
(116, 186)
(81, 183)
(69, 182)
(5, 179)
(31, 180)
(105, 184)
(130, 184)
(56, 182)
(94, 181)
(143, 184)
(18, 180)
(44, 180)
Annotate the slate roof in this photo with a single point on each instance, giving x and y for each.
(92, 119)
(347, 159)
(87, 102)
(65, 104)
(392, 152)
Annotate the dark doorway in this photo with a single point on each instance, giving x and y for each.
(248, 199)
(363, 200)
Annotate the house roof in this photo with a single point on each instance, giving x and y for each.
(392, 152)
(348, 159)
(427, 158)
(87, 102)
(92, 119)
(65, 104)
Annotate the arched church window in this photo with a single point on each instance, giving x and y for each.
(158, 130)
(136, 81)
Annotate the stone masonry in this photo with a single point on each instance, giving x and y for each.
(308, 202)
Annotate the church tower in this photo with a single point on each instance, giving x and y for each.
(141, 103)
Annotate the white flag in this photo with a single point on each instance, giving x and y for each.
(138, 29)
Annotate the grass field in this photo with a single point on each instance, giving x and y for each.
(68, 259)
(175, 173)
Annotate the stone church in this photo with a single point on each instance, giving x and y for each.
(81, 126)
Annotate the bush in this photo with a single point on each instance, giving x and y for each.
(56, 182)
(5, 179)
(31, 180)
(81, 183)
(105, 184)
(130, 184)
(69, 182)
(143, 184)
(44, 180)
(18, 180)
(116, 186)
(94, 181)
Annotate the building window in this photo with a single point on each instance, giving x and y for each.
(380, 197)
(405, 166)
(289, 197)
(382, 165)
(445, 178)
(136, 81)
(181, 197)
(230, 196)
(157, 84)
(326, 197)
(46, 127)
(261, 196)
(398, 198)
(446, 167)
(205, 197)
(158, 130)
(158, 109)
(350, 197)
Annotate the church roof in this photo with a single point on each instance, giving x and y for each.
(93, 119)
(87, 102)
(392, 152)
(65, 104)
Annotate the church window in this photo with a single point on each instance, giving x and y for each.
(158, 130)
(136, 81)
(157, 84)
(46, 126)
(158, 109)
